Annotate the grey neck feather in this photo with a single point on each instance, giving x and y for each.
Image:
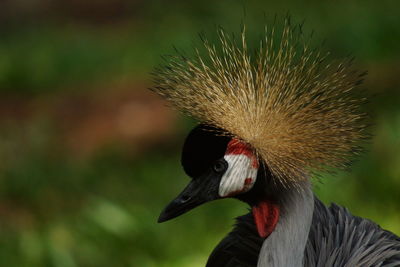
(286, 244)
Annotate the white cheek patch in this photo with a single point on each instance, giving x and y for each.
(240, 175)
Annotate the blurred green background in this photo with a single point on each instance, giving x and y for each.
(89, 157)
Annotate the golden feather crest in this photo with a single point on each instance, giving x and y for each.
(296, 110)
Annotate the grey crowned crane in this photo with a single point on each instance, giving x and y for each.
(270, 120)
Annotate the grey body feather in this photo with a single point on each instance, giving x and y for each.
(336, 238)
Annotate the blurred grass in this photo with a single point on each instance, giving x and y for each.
(59, 208)
(47, 55)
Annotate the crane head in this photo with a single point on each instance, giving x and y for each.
(219, 166)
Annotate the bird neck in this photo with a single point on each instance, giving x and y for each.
(286, 244)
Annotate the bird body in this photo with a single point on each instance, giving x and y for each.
(269, 121)
(336, 238)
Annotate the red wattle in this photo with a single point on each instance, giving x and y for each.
(266, 216)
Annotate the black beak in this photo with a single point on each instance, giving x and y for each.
(197, 192)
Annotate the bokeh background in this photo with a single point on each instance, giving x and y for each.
(89, 157)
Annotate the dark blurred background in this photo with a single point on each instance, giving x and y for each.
(89, 157)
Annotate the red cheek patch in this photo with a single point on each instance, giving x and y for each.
(247, 181)
(236, 147)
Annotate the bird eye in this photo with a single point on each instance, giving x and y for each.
(220, 166)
